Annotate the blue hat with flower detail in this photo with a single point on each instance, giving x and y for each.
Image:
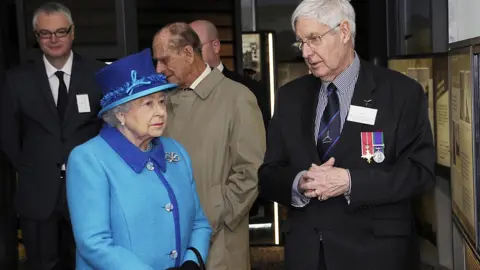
(129, 78)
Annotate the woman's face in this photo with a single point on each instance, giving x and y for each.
(146, 118)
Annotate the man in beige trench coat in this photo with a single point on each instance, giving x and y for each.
(220, 124)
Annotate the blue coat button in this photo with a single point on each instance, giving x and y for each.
(150, 166)
(173, 254)
(168, 207)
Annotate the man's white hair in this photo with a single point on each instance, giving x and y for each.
(328, 12)
(49, 8)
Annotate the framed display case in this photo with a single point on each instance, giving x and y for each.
(462, 170)
(258, 53)
(441, 85)
(464, 68)
(258, 58)
(419, 68)
(431, 72)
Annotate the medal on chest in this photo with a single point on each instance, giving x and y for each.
(373, 146)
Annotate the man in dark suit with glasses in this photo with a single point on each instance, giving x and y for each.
(49, 106)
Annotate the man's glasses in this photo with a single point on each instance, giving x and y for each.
(313, 41)
(59, 33)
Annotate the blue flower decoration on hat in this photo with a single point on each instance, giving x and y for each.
(129, 78)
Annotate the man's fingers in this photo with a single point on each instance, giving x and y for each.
(325, 166)
(329, 163)
(310, 194)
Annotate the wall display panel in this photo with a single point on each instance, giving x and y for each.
(475, 112)
(431, 72)
(463, 185)
(442, 113)
(258, 54)
(419, 69)
(252, 54)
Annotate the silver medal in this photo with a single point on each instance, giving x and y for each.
(379, 157)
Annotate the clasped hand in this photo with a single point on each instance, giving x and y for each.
(324, 181)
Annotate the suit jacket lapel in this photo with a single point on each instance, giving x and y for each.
(309, 114)
(42, 79)
(363, 91)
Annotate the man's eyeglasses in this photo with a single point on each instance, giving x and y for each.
(312, 41)
(59, 33)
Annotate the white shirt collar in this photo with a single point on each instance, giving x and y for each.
(67, 68)
(220, 67)
(201, 77)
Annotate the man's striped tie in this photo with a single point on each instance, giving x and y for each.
(329, 131)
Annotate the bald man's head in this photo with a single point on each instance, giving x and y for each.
(210, 43)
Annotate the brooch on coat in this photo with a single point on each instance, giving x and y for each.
(172, 157)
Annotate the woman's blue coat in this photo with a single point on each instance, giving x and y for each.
(134, 210)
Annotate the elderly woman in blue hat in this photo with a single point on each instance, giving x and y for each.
(131, 193)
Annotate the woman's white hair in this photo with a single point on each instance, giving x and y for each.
(110, 117)
(328, 12)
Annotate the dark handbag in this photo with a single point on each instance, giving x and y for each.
(199, 258)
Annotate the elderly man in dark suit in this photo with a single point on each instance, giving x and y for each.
(348, 148)
(208, 34)
(49, 106)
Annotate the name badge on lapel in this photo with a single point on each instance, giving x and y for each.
(373, 146)
(83, 103)
(362, 115)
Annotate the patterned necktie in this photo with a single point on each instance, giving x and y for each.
(329, 131)
(62, 95)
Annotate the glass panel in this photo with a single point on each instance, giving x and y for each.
(442, 113)
(418, 32)
(419, 69)
(252, 54)
(463, 187)
(255, 54)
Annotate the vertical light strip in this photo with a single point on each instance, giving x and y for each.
(271, 71)
(275, 222)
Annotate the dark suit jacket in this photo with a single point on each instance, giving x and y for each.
(376, 230)
(257, 89)
(33, 137)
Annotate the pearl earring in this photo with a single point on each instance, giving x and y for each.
(123, 124)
